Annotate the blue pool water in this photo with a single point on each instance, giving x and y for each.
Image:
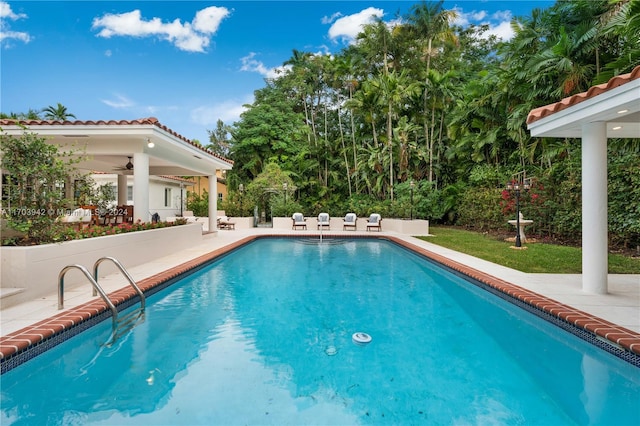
(264, 336)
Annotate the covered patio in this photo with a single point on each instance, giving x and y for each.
(142, 148)
(606, 111)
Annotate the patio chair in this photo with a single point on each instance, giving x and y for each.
(77, 218)
(128, 213)
(298, 221)
(374, 222)
(349, 221)
(225, 223)
(95, 217)
(323, 221)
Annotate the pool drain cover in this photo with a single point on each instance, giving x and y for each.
(361, 338)
(331, 350)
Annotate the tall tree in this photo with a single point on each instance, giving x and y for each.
(219, 142)
(431, 25)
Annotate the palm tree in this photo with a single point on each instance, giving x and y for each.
(58, 112)
(563, 60)
(623, 21)
(394, 89)
(431, 24)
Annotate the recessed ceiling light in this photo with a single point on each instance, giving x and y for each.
(616, 128)
(622, 111)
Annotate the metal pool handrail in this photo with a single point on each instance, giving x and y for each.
(124, 272)
(96, 287)
(98, 290)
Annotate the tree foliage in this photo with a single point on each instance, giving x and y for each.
(445, 106)
(34, 175)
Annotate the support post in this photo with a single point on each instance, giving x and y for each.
(141, 187)
(518, 239)
(213, 203)
(594, 208)
(122, 190)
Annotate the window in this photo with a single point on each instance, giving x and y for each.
(167, 197)
(129, 192)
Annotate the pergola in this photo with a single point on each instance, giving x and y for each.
(606, 111)
(154, 150)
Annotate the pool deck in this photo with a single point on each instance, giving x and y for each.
(620, 307)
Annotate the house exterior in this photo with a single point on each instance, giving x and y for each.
(167, 194)
(200, 185)
(138, 150)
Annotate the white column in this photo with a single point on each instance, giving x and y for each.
(594, 208)
(141, 187)
(122, 190)
(213, 203)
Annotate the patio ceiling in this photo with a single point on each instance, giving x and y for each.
(617, 103)
(106, 145)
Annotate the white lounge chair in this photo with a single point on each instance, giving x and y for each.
(350, 221)
(79, 218)
(323, 220)
(298, 221)
(225, 223)
(374, 222)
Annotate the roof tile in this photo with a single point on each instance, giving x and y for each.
(140, 121)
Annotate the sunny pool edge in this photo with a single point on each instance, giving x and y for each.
(608, 336)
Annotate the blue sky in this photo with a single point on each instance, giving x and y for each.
(187, 63)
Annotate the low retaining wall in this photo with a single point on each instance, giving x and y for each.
(35, 269)
(410, 227)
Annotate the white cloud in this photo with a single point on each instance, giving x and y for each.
(503, 30)
(190, 37)
(6, 35)
(499, 22)
(346, 28)
(120, 102)
(502, 15)
(330, 19)
(228, 111)
(7, 13)
(14, 35)
(250, 64)
(207, 21)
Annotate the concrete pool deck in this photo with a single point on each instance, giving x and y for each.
(621, 306)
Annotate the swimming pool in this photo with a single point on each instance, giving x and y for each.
(264, 336)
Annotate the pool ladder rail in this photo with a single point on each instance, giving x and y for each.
(120, 325)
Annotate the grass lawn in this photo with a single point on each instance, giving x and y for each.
(537, 258)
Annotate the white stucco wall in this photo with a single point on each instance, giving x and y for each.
(157, 186)
(35, 269)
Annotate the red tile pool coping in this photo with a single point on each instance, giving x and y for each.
(39, 332)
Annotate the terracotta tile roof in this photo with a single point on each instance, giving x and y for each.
(140, 121)
(547, 110)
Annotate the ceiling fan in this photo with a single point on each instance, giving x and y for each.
(128, 166)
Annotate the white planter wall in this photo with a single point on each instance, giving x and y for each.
(35, 268)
